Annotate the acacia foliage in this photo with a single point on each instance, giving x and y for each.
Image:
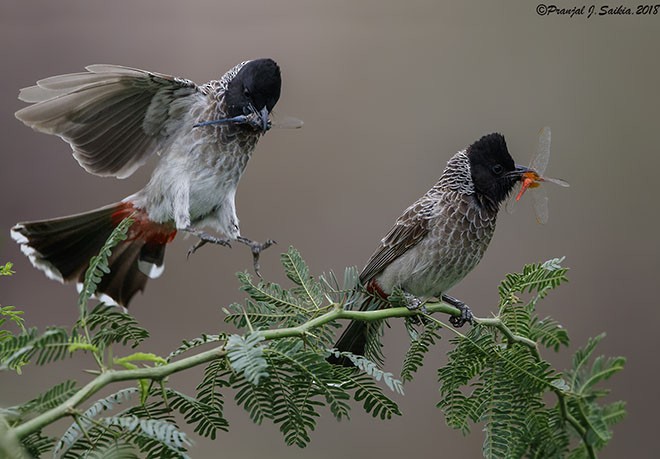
(495, 375)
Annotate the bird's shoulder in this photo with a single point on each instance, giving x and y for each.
(408, 230)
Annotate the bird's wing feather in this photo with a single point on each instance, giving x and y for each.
(409, 229)
(113, 117)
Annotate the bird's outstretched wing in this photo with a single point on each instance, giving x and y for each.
(113, 117)
(408, 230)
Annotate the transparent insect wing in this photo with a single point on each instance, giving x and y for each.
(557, 181)
(511, 202)
(540, 161)
(540, 204)
(286, 122)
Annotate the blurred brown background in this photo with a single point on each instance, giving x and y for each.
(388, 91)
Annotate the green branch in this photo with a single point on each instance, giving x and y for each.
(109, 377)
(157, 373)
(496, 322)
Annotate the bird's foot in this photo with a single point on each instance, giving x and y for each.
(466, 313)
(204, 238)
(256, 248)
(414, 304)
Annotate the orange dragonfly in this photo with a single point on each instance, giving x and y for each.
(534, 176)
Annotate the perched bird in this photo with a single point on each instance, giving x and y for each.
(114, 118)
(440, 238)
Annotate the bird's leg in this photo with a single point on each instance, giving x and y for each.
(204, 238)
(414, 303)
(256, 248)
(400, 298)
(466, 314)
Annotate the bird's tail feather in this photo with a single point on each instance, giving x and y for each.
(62, 248)
(361, 337)
(353, 340)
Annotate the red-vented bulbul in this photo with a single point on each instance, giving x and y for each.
(114, 118)
(441, 237)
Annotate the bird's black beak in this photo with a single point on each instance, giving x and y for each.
(259, 119)
(520, 170)
(263, 117)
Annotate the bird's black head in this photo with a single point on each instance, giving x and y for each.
(254, 91)
(493, 171)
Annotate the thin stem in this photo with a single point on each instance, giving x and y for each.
(506, 331)
(579, 428)
(98, 353)
(158, 373)
(76, 417)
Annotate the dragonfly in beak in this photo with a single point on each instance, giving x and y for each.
(532, 177)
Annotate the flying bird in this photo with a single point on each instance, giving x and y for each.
(440, 238)
(115, 118)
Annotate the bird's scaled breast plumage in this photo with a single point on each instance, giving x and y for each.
(196, 179)
(458, 235)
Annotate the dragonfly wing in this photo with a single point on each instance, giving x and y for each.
(540, 203)
(557, 181)
(511, 201)
(542, 156)
(286, 122)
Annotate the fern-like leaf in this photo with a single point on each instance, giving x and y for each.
(371, 368)
(215, 379)
(162, 432)
(614, 413)
(195, 343)
(50, 346)
(367, 392)
(13, 315)
(207, 418)
(584, 405)
(53, 397)
(548, 332)
(246, 356)
(110, 325)
(256, 400)
(313, 374)
(85, 421)
(260, 313)
(98, 265)
(540, 277)
(118, 449)
(6, 269)
(419, 346)
(346, 293)
(297, 270)
(508, 406)
(37, 444)
(271, 294)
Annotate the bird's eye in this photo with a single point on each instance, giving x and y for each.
(246, 92)
(497, 169)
